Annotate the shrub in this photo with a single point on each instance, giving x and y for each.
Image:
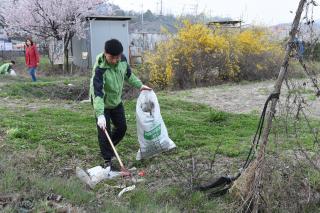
(198, 56)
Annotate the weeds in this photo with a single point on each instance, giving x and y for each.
(41, 146)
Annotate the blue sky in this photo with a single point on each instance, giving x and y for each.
(265, 12)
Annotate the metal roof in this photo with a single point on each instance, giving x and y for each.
(110, 18)
(224, 22)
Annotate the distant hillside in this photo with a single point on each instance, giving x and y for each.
(281, 31)
(153, 23)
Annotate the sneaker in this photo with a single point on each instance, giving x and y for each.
(109, 163)
(115, 165)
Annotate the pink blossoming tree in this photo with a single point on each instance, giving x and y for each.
(49, 19)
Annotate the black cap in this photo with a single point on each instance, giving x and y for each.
(113, 47)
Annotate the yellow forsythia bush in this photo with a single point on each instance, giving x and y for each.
(198, 56)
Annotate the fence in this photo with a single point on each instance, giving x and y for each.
(10, 54)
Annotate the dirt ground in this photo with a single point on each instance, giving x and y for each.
(243, 98)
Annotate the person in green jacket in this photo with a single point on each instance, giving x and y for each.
(6, 67)
(109, 72)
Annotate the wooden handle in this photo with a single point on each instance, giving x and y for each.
(113, 148)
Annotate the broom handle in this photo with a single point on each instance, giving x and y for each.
(113, 148)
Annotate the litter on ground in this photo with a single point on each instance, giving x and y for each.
(127, 189)
(95, 175)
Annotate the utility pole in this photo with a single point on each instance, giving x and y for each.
(194, 8)
(141, 14)
(160, 7)
(157, 7)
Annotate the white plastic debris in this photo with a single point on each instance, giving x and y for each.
(127, 189)
(98, 174)
(85, 101)
(84, 177)
(12, 72)
(95, 175)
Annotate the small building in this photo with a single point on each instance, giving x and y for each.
(101, 29)
(5, 45)
(141, 42)
(226, 24)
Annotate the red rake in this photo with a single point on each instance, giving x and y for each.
(124, 171)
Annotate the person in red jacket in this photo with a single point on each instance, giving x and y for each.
(32, 58)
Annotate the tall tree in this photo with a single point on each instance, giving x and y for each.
(57, 19)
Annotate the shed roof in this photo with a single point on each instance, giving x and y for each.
(224, 22)
(110, 18)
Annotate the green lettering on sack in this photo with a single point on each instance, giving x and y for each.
(152, 134)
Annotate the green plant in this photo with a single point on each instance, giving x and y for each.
(217, 116)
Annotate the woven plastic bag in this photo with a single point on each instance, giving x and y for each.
(151, 130)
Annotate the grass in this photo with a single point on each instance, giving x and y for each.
(44, 60)
(44, 65)
(195, 127)
(44, 68)
(63, 134)
(51, 128)
(46, 88)
(40, 142)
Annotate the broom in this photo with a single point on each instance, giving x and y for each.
(124, 171)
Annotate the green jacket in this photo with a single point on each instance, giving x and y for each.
(5, 68)
(107, 83)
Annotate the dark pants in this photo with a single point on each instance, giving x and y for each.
(118, 119)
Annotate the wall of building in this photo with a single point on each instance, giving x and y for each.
(81, 52)
(103, 30)
(99, 32)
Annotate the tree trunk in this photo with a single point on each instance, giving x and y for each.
(66, 60)
(67, 38)
(257, 166)
(49, 57)
(281, 76)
